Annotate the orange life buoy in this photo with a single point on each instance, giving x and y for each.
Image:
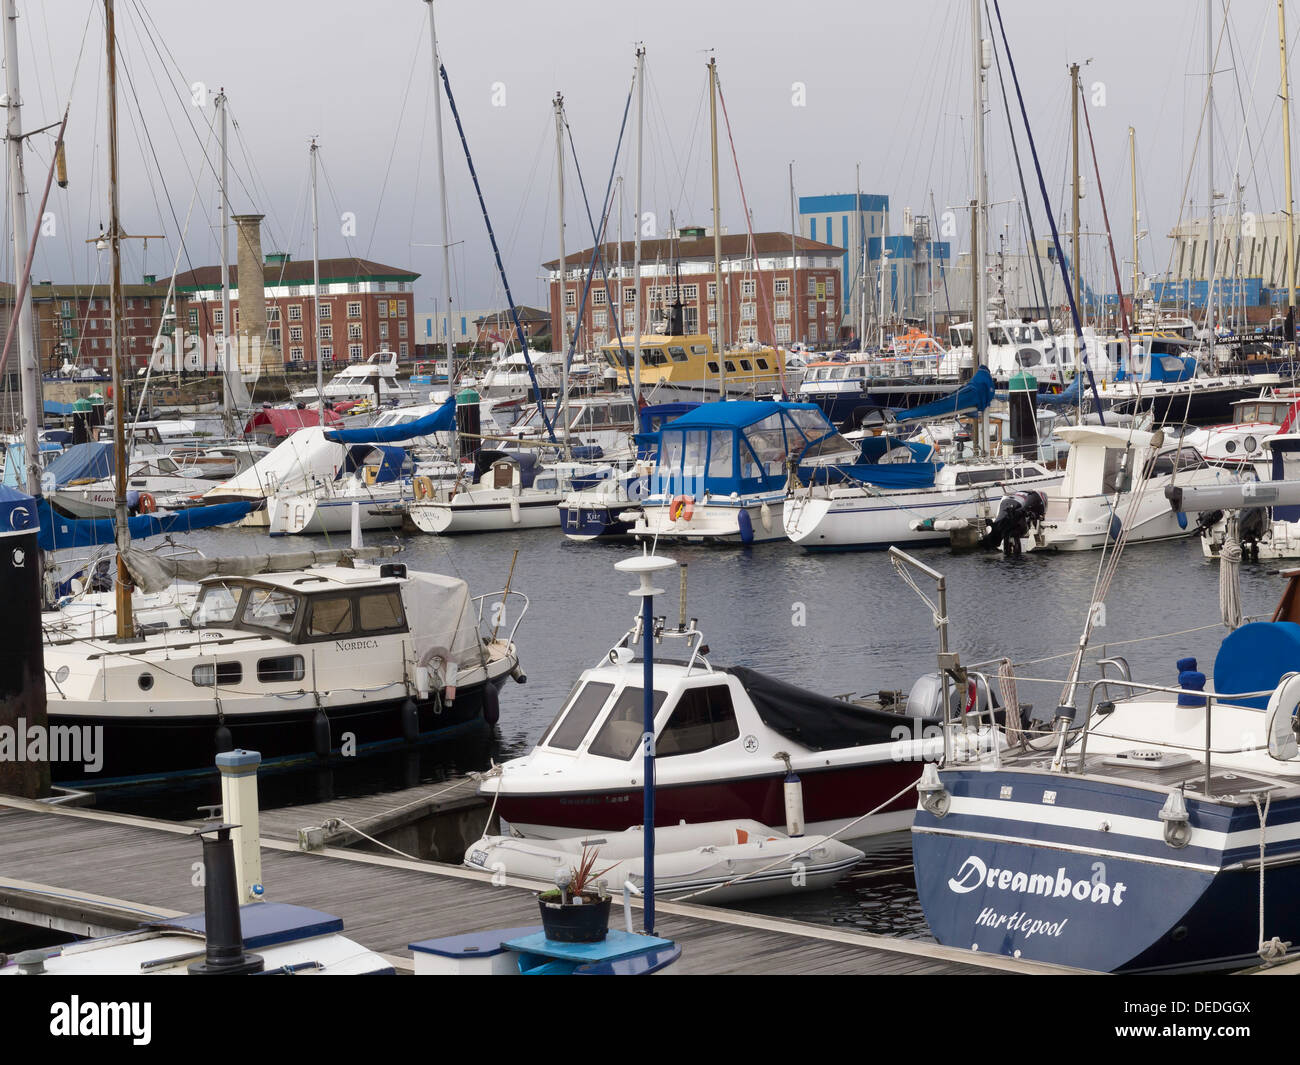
(423, 488)
(682, 507)
(147, 503)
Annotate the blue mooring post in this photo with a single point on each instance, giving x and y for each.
(645, 567)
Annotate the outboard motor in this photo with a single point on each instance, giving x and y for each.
(1018, 514)
(1254, 524)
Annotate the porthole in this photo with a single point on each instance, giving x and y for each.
(145, 680)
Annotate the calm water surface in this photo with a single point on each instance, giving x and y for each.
(835, 624)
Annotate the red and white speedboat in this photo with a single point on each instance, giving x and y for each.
(726, 742)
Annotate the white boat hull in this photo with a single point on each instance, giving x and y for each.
(496, 510)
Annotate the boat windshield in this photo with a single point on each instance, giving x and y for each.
(216, 605)
(270, 608)
(571, 727)
(620, 736)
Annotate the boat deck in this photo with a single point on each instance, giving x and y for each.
(91, 872)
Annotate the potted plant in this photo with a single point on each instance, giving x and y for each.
(577, 909)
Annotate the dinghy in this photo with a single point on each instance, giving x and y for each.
(719, 862)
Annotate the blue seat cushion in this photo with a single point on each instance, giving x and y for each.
(1255, 657)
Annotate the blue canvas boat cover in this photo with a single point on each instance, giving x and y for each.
(438, 421)
(975, 394)
(81, 462)
(393, 464)
(1067, 398)
(58, 532)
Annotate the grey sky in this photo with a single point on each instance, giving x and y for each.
(887, 86)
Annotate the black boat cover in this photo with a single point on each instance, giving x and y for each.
(819, 722)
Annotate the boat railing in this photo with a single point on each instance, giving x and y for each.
(685, 629)
(1105, 707)
(500, 600)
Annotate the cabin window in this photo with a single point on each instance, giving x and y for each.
(713, 366)
(623, 414)
(677, 354)
(703, 718)
(983, 476)
(280, 668)
(1117, 473)
(270, 608)
(330, 616)
(380, 611)
(721, 455)
(575, 719)
(745, 365)
(620, 736)
(762, 364)
(217, 674)
(700, 349)
(216, 606)
(731, 366)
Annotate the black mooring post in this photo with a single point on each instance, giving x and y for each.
(225, 954)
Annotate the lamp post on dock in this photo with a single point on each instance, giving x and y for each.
(645, 567)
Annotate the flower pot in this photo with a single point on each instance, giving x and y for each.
(585, 922)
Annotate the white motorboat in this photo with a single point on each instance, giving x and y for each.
(509, 491)
(291, 664)
(723, 469)
(376, 479)
(1114, 485)
(727, 741)
(152, 484)
(715, 863)
(375, 379)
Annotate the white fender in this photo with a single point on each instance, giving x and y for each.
(1281, 711)
(514, 509)
(449, 690)
(765, 513)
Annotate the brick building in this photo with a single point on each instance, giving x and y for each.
(498, 327)
(769, 294)
(364, 307)
(73, 323)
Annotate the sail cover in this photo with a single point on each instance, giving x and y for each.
(153, 572)
(438, 421)
(442, 620)
(975, 394)
(58, 532)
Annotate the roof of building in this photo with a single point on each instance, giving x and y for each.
(290, 272)
(734, 246)
(77, 290)
(526, 314)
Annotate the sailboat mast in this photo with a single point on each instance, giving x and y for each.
(1209, 177)
(636, 234)
(564, 321)
(717, 229)
(1075, 194)
(125, 622)
(226, 391)
(1133, 187)
(979, 327)
(442, 195)
(862, 268)
(315, 292)
(794, 264)
(30, 372)
(1286, 154)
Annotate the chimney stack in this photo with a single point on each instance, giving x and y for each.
(251, 336)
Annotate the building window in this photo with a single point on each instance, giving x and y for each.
(354, 286)
(273, 336)
(812, 286)
(748, 288)
(713, 312)
(783, 309)
(354, 330)
(272, 314)
(194, 318)
(690, 292)
(354, 309)
(570, 320)
(830, 285)
(781, 286)
(219, 317)
(381, 287)
(713, 290)
(747, 311)
(401, 330)
(295, 354)
(812, 309)
(403, 350)
(570, 298)
(782, 334)
(629, 294)
(598, 298)
(295, 333)
(383, 330)
(401, 307)
(383, 308)
(324, 310)
(355, 353)
(327, 353)
(600, 319)
(327, 332)
(295, 312)
(629, 318)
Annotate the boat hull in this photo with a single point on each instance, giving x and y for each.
(833, 797)
(1076, 871)
(461, 515)
(136, 746)
(296, 517)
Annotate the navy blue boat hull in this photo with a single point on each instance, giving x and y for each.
(1087, 880)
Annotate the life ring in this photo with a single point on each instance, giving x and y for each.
(682, 507)
(972, 695)
(423, 488)
(147, 503)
